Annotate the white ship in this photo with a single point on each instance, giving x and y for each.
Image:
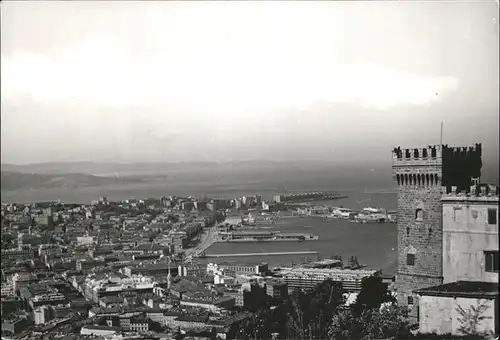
(342, 213)
(371, 215)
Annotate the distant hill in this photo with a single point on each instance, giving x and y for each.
(136, 169)
(108, 169)
(17, 180)
(275, 174)
(490, 169)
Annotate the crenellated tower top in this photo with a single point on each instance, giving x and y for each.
(451, 166)
(417, 156)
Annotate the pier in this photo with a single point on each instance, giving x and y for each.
(262, 254)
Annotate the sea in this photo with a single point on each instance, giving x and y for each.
(374, 244)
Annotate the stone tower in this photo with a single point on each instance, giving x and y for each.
(169, 276)
(422, 176)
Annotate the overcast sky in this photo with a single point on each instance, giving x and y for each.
(172, 81)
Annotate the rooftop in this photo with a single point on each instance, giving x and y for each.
(462, 289)
(102, 328)
(332, 273)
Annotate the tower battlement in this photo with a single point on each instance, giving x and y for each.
(417, 156)
(463, 150)
(486, 191)
(438, 164)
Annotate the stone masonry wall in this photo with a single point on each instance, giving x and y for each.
(405, 284)
(422, 237)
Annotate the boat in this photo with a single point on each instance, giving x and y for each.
(369, 214)
(342, 213)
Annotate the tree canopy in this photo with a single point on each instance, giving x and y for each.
(373, 294)
(321, 313)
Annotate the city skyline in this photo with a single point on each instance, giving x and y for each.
(201, 81)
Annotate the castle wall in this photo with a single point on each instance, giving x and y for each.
(468, 233)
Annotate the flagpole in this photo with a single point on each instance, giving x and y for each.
(441, 136)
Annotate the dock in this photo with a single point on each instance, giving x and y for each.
(263, 254)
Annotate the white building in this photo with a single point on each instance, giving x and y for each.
(470, 266)
(85, 240)
(470, 238)
(99, 330)
(41, 315)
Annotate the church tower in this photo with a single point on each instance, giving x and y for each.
(423, 175)
(169, 276)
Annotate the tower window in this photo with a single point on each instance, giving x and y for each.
(419, 214)
(410, 300)
(491, 261)
(408, 231)
(410, 259)
(424, 153)
(492, 216)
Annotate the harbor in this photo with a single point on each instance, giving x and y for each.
(336, 235)
(364, 215)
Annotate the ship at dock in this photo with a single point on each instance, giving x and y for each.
(265, 236)
(341, 213)
(372, 215)
(366, 215)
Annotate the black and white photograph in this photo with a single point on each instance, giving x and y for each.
(249, 170)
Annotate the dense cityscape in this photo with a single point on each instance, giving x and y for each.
(133, 269)
(249, 170)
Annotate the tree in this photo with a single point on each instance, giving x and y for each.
(152, 235)
(387, 322)
(219, 217)
(471, 318)
(326, 298)
(257, 299)
(310, 313)
(297, 307)
(345, 326)
(256, 327)
(372, 295)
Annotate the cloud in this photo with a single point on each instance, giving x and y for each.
(218, 80)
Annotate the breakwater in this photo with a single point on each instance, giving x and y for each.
(262, 254)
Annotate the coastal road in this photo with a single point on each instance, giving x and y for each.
(207, 239)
